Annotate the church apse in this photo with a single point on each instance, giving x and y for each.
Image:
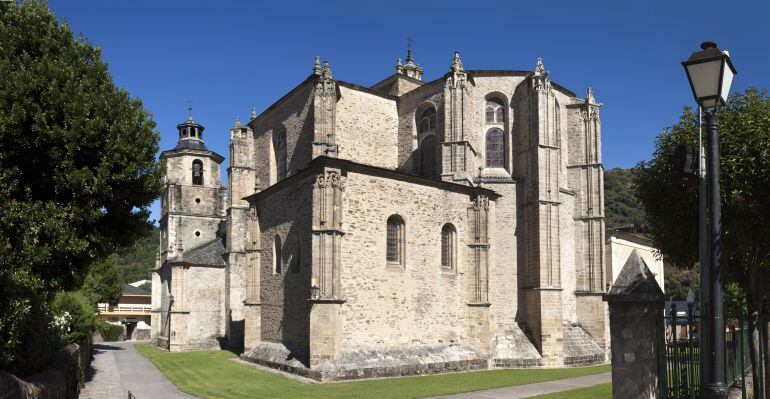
(394, 229)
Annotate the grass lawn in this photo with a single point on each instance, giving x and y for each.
(211, 374)
(601, 391)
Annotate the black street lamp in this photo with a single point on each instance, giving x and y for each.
(711, 73)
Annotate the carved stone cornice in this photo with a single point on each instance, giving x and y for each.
(480, 203)
(457, 75)
(539, 80)
(325, 85)
(590, 109)
(331, 178)
(590, 113)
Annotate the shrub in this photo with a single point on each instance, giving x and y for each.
(26, 333)
(75, 313)
(110, 332)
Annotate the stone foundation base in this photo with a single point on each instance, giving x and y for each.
(514, 350)
(373, 363)
(212, 343)
(580, 348)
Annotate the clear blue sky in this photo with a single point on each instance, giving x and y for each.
(229, 56)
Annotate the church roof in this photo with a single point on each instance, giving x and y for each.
(207, 254)
(131, 290)
(187, 145)
(352, 166)
(191, 145)
(377, 88)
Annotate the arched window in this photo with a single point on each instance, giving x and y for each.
(277, 255)
(448, 251)
(197, 172)
(494, 111)
(428, 164)
(395, 240)
(279, 147)
(427, 120)
(495, 148)
(184, 132)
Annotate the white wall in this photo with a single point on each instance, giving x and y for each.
(618, 251)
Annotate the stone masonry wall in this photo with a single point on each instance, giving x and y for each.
(199, 307)
(567, 236)
(286, 213)
(366, 128)
(419, 302)
(179, 169)
(505, 294)
(295, 116)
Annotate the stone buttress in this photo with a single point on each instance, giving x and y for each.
(240, 250)
(543, 291)
(457, 154)
(326, 296)
(586, 175)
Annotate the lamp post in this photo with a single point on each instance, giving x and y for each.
(711, 73)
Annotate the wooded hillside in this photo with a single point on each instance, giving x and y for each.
(621, 207)
(136, 263)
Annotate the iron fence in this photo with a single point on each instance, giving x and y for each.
(682, 353)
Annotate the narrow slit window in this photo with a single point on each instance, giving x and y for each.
(279, 146)
(448, 246)
(277, 255)
(395, 240)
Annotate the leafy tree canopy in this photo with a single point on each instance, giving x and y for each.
(672, 207)
(104, 282)
(77, 170)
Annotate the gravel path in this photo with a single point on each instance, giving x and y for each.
(118, 368)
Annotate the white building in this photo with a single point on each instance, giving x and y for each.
(619, 246)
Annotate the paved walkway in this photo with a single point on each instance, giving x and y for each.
(118, 368)
(529, 390)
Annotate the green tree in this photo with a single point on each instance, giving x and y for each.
(77, 172)
(136, 262)
(672, 208)
(621, 207)
(104, 282)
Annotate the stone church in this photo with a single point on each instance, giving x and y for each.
(409, 227)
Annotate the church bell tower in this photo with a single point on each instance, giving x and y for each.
(192, 203)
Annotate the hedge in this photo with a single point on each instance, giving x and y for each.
(110, 332)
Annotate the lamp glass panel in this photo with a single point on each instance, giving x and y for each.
(727, 81)
(711, 103)
(705, 78)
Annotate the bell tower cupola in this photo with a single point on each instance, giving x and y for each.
(409, 69)
(190, 133)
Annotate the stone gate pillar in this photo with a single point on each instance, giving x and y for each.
(637, 332)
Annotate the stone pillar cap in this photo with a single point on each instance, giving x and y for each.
(635, 283)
